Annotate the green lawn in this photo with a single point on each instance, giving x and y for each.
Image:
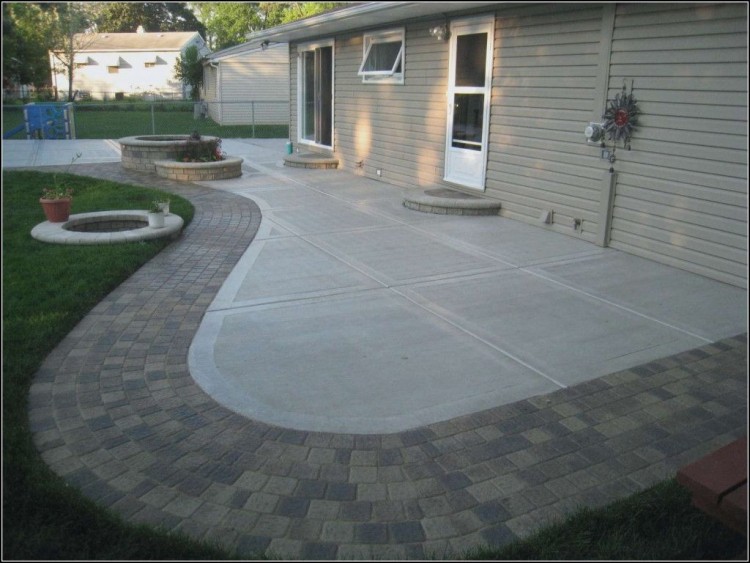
(48, 288)
(125, 119)
(656, 524)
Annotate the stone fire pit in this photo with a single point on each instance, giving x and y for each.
(142, 152)
(160, 153)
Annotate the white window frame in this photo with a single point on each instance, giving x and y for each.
(301, 48)
(467, 167)
(384, 76)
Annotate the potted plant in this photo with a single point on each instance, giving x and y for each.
(156, 215)
(57, 200)
(164, 206)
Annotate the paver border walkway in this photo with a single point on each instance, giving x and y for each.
(115, 412)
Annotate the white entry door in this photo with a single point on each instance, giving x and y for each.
(469, 90)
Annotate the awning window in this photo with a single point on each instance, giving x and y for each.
(383, 58)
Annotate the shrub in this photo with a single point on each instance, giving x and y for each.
(202, 150)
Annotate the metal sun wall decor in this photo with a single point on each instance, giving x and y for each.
(621, 118)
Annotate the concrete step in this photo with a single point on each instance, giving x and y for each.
(310, 160)
(444, 201)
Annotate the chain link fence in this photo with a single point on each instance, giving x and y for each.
(130, 117)
(30, 94)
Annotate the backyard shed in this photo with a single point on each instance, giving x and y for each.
(493, 99)
(248, 84)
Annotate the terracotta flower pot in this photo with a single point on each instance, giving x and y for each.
(56, 210)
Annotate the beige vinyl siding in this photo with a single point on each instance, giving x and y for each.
(397, 128)
(544, 91)
(253, 84)
(681, 192)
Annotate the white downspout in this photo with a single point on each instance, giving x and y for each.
(217, 67)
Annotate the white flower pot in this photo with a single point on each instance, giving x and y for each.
(156, 220)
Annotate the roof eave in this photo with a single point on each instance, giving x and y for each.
(360, 16)
(236, 50)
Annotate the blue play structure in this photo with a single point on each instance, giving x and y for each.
(49, 120)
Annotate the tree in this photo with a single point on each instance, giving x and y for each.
(26, 42)
(189, 69)
(67, 38)
(293, 11)
(125, 17)
(227, 23)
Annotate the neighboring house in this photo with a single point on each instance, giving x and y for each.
(248, 83)
(108, 64)
(499, 104)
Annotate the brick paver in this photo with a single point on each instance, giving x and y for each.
(115, 411)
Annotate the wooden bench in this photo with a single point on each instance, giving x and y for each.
(718, 483)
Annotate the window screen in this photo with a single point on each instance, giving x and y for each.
(383, 57)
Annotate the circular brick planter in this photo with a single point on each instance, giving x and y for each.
(230, 167)
(106, 227)
(141, 152)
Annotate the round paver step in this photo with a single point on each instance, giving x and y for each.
(444, 201)
(310, 160)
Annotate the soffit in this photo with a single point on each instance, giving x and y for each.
(362, 16)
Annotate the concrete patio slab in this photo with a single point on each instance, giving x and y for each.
(566, 335)
(515, 243)
(333, 216)
(558, 309)
(30, 153)
(290, 268)
(694, 304)
(270, 198)
(382, 366)
(398, 255)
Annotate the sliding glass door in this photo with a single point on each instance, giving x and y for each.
(315, 94)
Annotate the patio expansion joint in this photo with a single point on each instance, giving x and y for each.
(431, 308)
(629, 310)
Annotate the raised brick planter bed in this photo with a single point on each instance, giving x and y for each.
(141, 152)
(718, 483)
(230, 167)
